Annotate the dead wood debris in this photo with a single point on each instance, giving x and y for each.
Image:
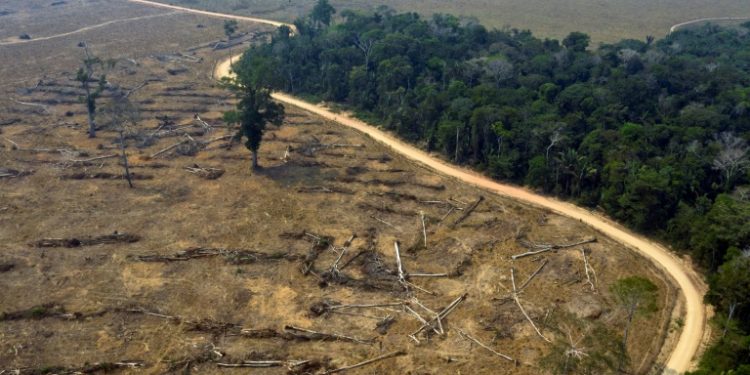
(87, 241)
(292, 333)
(205, 173)
(104, 176)
(384, 325)
(48, 310)
(493, 351)
(467, 212)
(232, 256)
(102, 367)
(367, 362)
(325, 189)
(536, 248)
(5, 267)
(431, 324)
(12, 173)
(398, 197)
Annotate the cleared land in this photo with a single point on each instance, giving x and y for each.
(605, 21)
(256, 235)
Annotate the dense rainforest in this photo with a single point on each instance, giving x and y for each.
(653, 132)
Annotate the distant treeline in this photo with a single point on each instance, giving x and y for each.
(653, 132)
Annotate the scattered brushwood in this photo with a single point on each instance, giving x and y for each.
(213, 327)
(383, 208)
(48, 310)
(232, 256)
(292, 333)
(6, 267)
(205, 173)
(104, 176)
(538, 248)
(12, 173)
(87, 241)
(96, 368)
(466, 212)
(325, 189)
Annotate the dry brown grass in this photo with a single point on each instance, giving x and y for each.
(176, 210)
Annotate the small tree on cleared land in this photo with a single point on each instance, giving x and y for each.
(251, 84)
(122, 116)
(230, 27)
(92, 71)
(635, 294)
(582, 346)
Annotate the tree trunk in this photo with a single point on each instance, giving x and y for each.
(732, 307)
(254, 165)
(125, 161)
(92, 125)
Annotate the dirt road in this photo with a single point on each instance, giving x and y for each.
(688, 281)
(84, 29)
(679, 25)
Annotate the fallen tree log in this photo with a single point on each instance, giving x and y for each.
(87, 241)
(232, 256)
(467, 212)
(367, 362)
(541, 248)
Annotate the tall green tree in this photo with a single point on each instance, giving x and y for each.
(252, 85)
(322, 13)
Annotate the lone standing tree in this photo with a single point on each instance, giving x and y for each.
(86, 75)
(251, 83)
(122, 116)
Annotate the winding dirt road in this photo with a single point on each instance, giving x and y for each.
(690, 283)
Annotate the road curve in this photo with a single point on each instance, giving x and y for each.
(84, 29)
(675, 27)
(691, 337)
